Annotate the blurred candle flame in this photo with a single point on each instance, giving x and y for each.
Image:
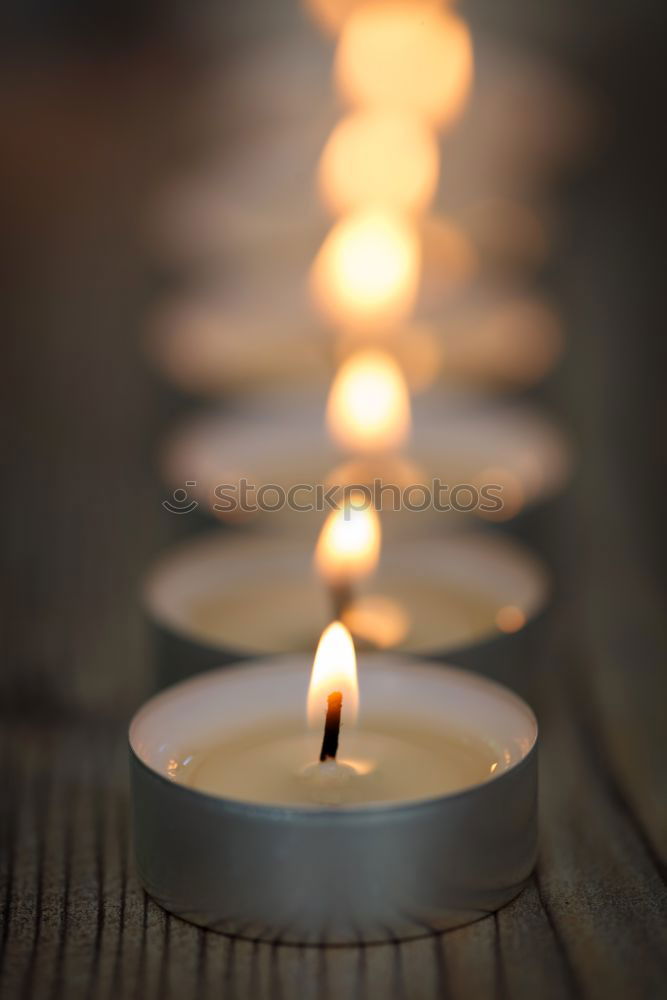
(368, 409)
(379, 157)
(334, 669)
(332, 14)
(416, 348)
(367, 270)
(406, 54)
(348, 548)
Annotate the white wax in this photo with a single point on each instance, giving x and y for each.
(259, 594)
(425, 730)
(383, 762)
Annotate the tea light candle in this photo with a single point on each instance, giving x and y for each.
(234, 341)
(426, 819)
(224, 595)
(458, 439)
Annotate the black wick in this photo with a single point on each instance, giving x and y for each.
(332, 726)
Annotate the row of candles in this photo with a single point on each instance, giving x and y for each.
(269, 791)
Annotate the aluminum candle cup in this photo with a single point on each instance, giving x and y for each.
(224, 596)
(433, 851)
(460, 440)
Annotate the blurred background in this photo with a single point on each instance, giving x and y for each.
(121, 125)
(155, 157)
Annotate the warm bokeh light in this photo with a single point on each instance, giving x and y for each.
(419, 353)
(348, 547)
(511, 491)
(417, 349)
(334, 669)
(406, 54)
(449, 259)
(368, 409)
(510, 235)
(367, 270)
(499, 340)
(521, 339)
(389, 469)
(332, 14)
(510, 618)
(379, 157)
(378, 620)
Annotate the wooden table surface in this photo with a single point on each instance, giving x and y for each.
(81, 519)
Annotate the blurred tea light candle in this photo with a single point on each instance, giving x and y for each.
(384, 761)
(456, 437)
(368, 409)
(207, 344)
(225, 595)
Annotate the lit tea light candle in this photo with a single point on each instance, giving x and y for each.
(453, 438)
(348, 550)
(241, 825)
(222, 596)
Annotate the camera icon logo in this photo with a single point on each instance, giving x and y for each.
(180, 502)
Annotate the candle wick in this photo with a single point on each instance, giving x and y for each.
(331, 727)
(341, 598)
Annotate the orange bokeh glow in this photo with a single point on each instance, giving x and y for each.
(334, 669)
(332, 14)
(510, 618)
(377, 619)
(406, 54)
(379, 157)
(417, 349)
(367, 270)
(368, 409)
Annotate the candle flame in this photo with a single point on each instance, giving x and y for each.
(366, 272)
(406, 54)
(368, 409)
(379, 157)
(348, 548)
(334, 669)
(331, 15)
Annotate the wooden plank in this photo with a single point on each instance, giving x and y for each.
(21, 889)
(420, 971)
(471, 961)
(599, 884)
(625, 683)
(533, 961)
